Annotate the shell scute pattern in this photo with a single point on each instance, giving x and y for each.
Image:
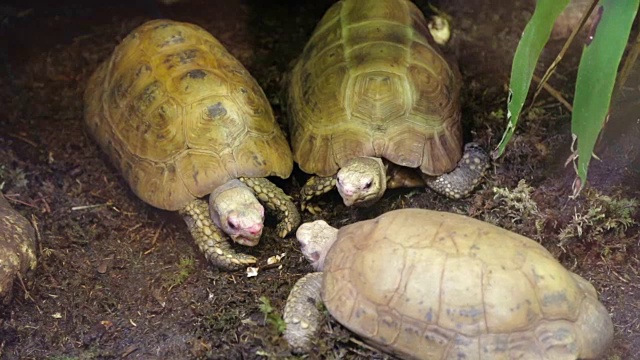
(450, 282)
(367, 77)
(181, 116)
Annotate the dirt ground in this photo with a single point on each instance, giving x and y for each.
(119, 279)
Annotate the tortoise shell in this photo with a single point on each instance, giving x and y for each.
(179, 116)
(17, 250)
(370, 82)
(456, 285)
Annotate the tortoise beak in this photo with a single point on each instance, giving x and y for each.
(348, 201)
(251, 239)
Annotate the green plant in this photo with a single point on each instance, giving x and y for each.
(600, 214)
(221, 321)
(517, 205)
(185, 269)
(271, 316)
(597, 70)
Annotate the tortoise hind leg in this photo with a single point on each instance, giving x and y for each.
(402, 176)
(461, 181)
(315, 186)
(210, 239)
(277, 201)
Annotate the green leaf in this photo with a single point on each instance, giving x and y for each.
(265, 305)
(597, 75)
(535, 36)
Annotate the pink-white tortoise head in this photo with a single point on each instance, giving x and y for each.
(362, 181)
(235, 209)
(316, 238)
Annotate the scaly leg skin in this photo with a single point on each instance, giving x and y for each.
(315, 186)
(277, 201)
(461, 181)
(301, 314)
(210, 239)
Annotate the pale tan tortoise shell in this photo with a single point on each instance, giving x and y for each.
(180, 116)
(17, 250)
(459, 285)
(378, 87)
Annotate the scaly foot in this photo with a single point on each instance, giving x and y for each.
(315, 186)
(464, 178)
(276, 200)
(210, 239)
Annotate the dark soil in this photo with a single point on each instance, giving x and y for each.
(119, 279)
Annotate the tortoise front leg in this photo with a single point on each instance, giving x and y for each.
(276, 200)
(210, 239)
(315, 186)
(301, 314)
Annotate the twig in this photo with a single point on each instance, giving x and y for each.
(12, 198)
(564, 49)
(619, 277)
(155, 237)
(34, 223)
(271, 266)
(83, 37)
(134, 227)
(24, 288)
(19, 137)
(360, 343)
(153, 240)
(44, 201)
(129, 350)
(553, 92)
(85, 207)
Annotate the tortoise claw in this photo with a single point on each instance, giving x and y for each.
(312, 208)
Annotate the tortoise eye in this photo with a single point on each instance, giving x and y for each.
(231, 224)
(367, 186)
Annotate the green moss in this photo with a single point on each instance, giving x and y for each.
(518, 206)
(598, 215)
(185, 269)
(271, 316)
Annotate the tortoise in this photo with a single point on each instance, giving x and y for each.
(17, 249)
(370, 100)
(181, 119)
(423, 284)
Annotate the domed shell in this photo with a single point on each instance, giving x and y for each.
(458, 285)
(179, 116)
(370, 82)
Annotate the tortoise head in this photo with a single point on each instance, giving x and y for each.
(234, 209)
(316, 238)
(362, 181)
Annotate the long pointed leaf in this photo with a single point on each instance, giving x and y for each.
(535, 36)
(597, 75)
